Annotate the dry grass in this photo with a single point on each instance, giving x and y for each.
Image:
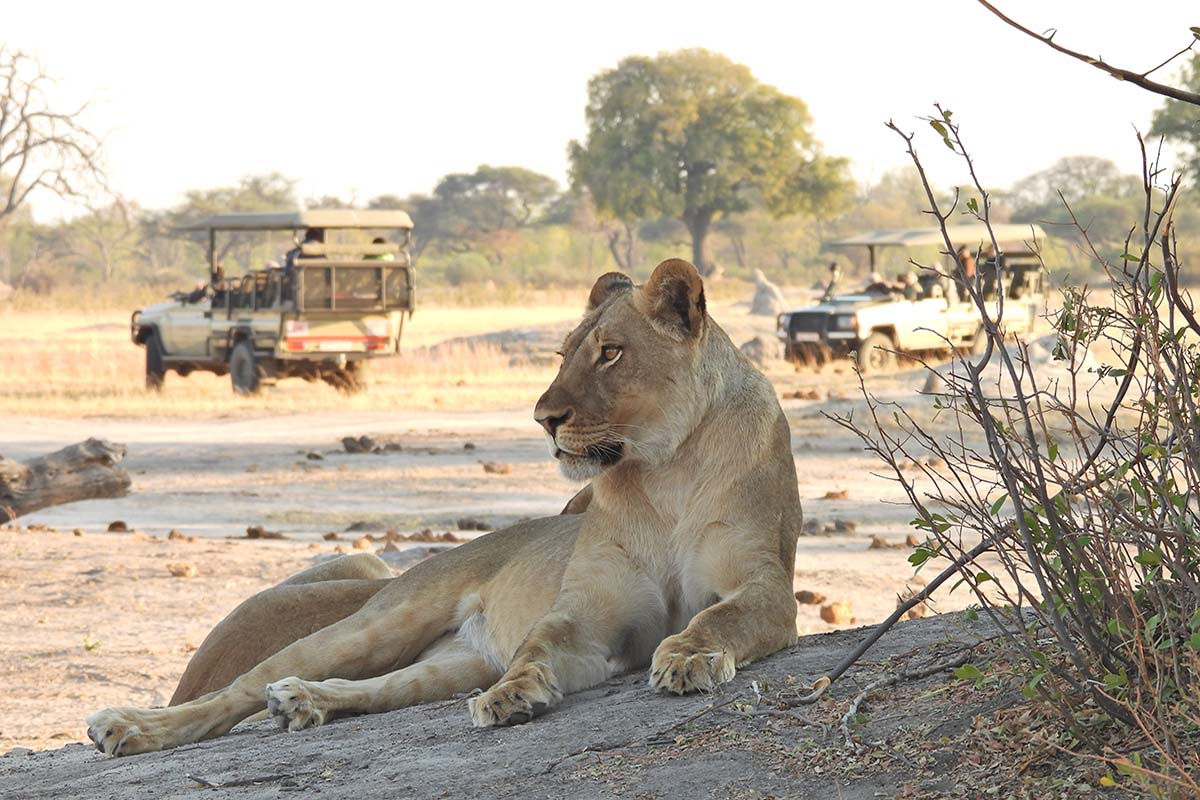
(74, 363)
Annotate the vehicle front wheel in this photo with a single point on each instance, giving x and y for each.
(244, 373)
(154, 362)
(874, 354)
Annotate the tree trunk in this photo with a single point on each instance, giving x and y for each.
(698, 227)
(82, 471)
(623, 249)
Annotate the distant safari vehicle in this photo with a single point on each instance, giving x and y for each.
(927, 316)
(337, 301)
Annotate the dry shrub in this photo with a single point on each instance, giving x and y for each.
(1083, 478)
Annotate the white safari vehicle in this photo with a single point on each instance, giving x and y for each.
(928, 316)
(337, 301)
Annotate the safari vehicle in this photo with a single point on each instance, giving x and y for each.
(880, 321)
(337, 302)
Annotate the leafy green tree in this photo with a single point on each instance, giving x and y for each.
(267, 192)
(1179, 122)
(694, 136)
(493, 199)
(1102, 198)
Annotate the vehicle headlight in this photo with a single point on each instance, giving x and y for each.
(846, 321)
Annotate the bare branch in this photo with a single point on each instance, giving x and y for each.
(1138, 79)
(41, 148)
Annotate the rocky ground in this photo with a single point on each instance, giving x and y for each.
(923, 738)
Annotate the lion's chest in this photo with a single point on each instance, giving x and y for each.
(671, 593)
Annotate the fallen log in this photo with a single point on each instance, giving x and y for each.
(83, 471)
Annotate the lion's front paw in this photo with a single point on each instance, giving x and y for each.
(514, 701)
(292, 705)
(121, 732)
(680, 669)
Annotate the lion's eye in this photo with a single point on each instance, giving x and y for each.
(609, 353)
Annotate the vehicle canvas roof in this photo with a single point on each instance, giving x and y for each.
(959, 234)
(294, 220)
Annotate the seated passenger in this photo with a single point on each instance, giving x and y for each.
(380, 256)
(930, 286)
(876, 284)
(311, 236)
(909, 286)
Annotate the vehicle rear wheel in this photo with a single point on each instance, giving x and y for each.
(244, 373)
(874, 354)
(154, 362)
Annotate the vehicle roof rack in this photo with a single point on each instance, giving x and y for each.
(329, 218)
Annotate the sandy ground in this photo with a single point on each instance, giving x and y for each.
(96, 619)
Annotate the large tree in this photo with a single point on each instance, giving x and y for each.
(1179, 122)
(694, 136)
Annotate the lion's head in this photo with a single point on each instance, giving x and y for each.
(628, 388)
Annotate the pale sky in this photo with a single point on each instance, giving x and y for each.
(357, 98)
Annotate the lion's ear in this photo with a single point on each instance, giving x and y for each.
(674, 297)
(605, 285)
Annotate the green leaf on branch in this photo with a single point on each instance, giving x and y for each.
(1114, 681)
(969, 672)
(1149, 558)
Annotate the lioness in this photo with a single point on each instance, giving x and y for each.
(682, 559)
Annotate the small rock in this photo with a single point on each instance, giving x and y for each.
(806, 598)
(362, 543)
(469, 446)
(472, 524)
(880, 543)
(314, 457)
(837, 613)
(837, 494)
(496, 467)
(258, 532)
(762, 349)
(182, 569)
(362, 444)
(78, 531)
(331, 537)
(118, 526)
(918, 611)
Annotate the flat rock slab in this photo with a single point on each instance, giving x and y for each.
(617, 739)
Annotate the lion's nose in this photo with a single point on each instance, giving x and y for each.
(551, 421)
